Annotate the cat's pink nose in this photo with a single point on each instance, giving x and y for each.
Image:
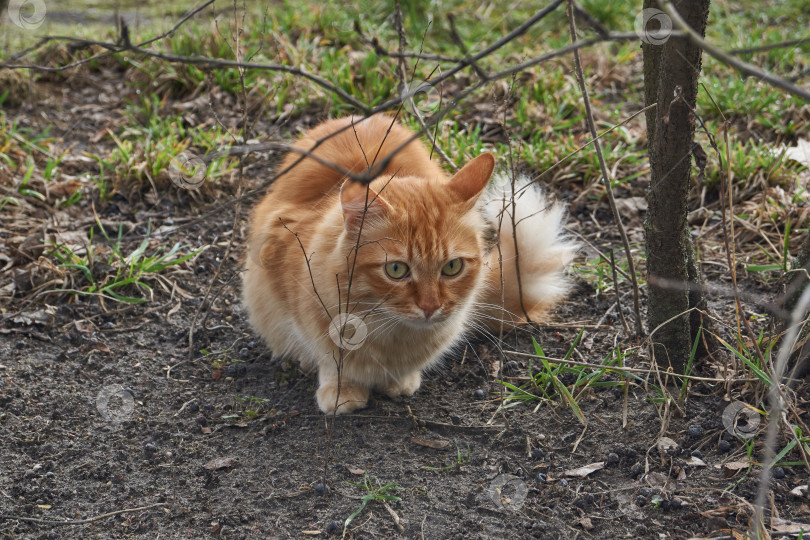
(429, 308)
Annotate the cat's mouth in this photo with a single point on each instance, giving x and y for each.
(416, 319)
(420, 321)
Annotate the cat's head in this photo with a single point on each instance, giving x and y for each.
(421, 242)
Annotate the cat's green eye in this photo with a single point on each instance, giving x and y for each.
(396, 270)
(453, 267)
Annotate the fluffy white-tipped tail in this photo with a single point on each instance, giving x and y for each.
(537, 268)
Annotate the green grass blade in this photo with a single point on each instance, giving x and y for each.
(761, 375)
(788, 447)
(688, 369)
(571, 401)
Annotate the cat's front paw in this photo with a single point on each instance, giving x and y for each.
(405, 386)
(351, 398)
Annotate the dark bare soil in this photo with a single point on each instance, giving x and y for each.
(103, 411)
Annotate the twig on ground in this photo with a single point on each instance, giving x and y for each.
(394, 516)
(80, 521)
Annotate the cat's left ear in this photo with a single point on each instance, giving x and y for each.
(471, 180)
(357, 199)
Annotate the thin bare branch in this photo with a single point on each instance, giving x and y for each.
(776, 406)
(770, 46)
(728, 59)
(605, 174)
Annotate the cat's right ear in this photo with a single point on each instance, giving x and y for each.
(357, 199)
(473, 177)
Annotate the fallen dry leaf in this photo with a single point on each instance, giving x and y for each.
(220, 463)
(174, 310)
(85, 327)
(33, 317)
(790, 527)
(495, 370)
(64, 189)
(437, 444)
(800, 152)
(631, 206)
(800, 491)
(75, 241)
(582, 472)
(656, 479)
(355, 470)
(102, 348)
(732, 468)
(666, 445)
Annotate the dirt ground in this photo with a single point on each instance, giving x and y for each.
(108, 429)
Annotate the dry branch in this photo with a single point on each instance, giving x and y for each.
(605, 177)
(728, 59)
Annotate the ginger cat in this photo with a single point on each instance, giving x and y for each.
(372, 285)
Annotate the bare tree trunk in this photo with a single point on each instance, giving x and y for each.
(671, 72)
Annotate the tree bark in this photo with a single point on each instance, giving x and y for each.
(671, 72)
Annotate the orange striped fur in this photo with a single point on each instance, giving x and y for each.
(412, 214)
